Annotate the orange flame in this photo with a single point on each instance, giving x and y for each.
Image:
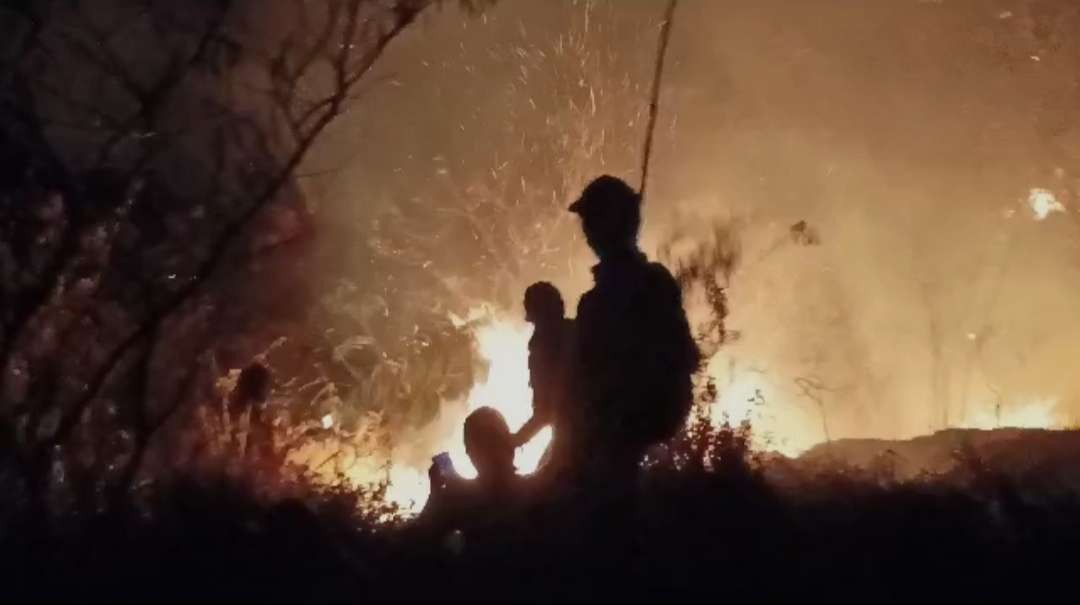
(503, 344)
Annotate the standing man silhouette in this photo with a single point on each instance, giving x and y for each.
(637, 355)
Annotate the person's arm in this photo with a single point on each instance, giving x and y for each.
(437, 514)
(540, 404)
(540, 416)
(530, 429)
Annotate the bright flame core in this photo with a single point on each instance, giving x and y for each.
(503, 345)
(1031, 414)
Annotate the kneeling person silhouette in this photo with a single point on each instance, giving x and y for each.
(473, 506)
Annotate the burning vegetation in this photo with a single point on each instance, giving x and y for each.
(259, 262)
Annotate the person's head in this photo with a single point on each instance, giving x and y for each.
(543, 303)
(489, 443)
(610, 212)
(252, 386)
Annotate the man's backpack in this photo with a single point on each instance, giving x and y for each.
(669, 359)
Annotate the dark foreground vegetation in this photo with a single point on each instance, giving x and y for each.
(714, 521)
(149, 153)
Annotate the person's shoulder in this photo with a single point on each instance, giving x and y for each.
(658, 270)
(587, 300)
(660, 276)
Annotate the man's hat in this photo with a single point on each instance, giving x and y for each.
(603, 194)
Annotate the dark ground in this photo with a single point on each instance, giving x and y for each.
(988, 527)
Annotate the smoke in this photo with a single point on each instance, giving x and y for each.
(873, 163)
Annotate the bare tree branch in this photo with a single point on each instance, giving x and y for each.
(246, 170)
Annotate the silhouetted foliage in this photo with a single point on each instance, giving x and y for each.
(728, 523)
(149, 156)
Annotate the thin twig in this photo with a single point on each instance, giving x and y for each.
(211, 263)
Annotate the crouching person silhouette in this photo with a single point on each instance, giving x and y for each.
(477, 506)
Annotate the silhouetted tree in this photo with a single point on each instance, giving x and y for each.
(148, 153)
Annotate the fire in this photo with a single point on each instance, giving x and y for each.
(780, 423)
(748, 395)
(1036, 413)
(503, 344)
